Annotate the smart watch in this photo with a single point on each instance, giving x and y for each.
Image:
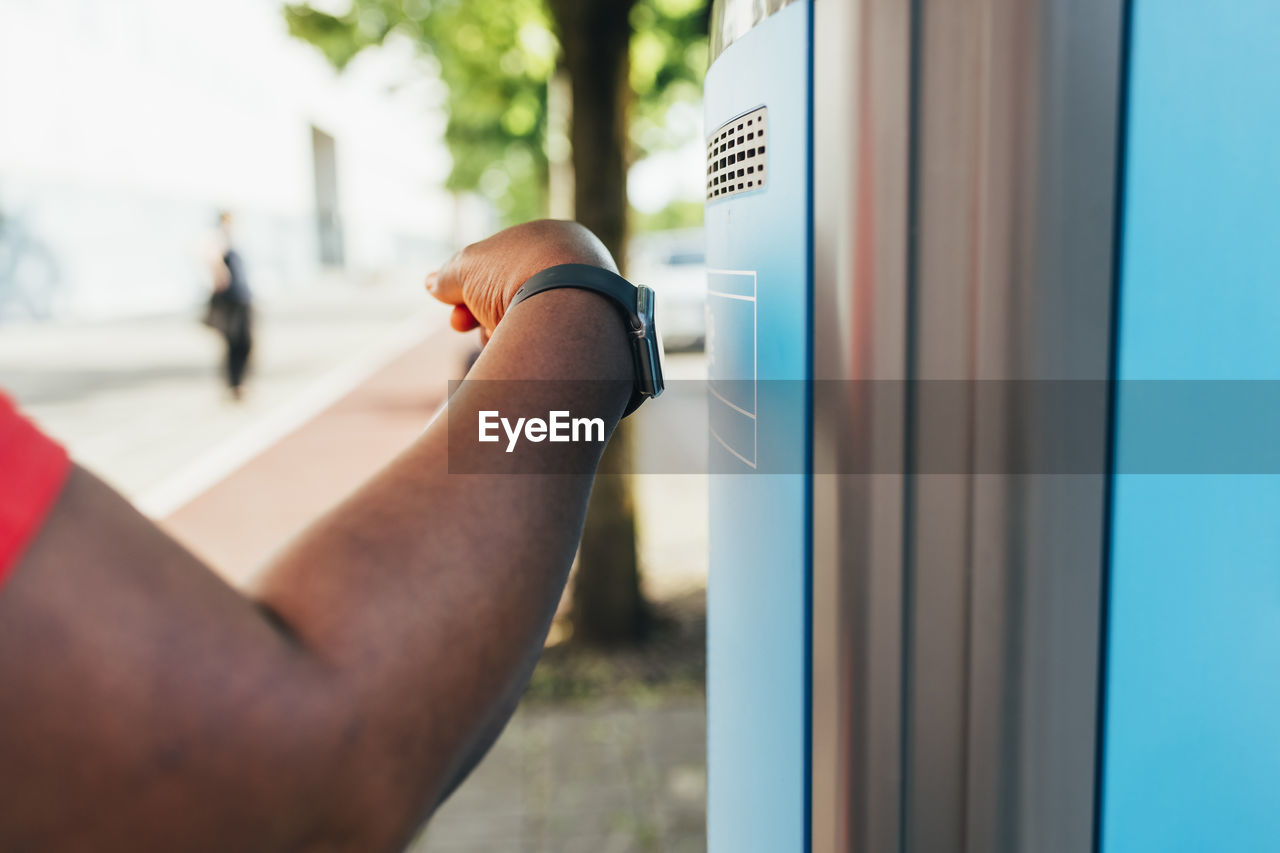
(636, 302)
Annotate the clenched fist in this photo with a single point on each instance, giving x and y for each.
(480, 281)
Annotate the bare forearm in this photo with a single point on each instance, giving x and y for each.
(431, 592)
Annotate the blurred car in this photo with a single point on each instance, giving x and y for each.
(673, 263)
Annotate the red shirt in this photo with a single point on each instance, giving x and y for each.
(32, 471)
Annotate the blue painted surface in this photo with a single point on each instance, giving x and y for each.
(1191, 757)
(757, 600)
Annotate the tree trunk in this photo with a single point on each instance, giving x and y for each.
(596, 37)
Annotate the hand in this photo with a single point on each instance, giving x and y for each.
(480, 281)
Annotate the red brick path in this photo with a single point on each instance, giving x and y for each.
(238, 523)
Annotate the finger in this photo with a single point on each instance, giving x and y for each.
(484, 337)
(446, 284)
(462, 320)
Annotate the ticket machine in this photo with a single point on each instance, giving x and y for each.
(954, 604)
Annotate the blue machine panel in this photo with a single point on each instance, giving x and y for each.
(1192, 714)
(758, 352)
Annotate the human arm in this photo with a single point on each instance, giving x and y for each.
(146, 705)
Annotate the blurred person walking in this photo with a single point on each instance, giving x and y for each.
(231, 304)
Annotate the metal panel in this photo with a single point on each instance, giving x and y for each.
(758, 249)
(995, 227)
(862, 79)
(1192, 723)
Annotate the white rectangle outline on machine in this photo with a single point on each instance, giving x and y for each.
(755, 369)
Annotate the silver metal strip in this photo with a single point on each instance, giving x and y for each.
(861, 135)
(988, 255)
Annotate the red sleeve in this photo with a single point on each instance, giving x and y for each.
(32, 471)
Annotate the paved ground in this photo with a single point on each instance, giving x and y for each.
(603, 781)
(343, 381)
(140, 402)
(242, 519)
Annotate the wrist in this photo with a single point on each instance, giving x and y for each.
(635, 304)
(564, 354)
(567, 334)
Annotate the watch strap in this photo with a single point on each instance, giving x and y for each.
(586, 277)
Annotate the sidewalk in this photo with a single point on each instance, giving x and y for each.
(575, 781)
(249, 512)
(139, 401)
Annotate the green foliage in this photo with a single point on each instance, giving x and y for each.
(496, 58)
(679, 214)
(668, 62)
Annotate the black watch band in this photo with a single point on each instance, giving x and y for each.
(636, 304)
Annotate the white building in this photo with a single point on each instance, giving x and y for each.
(126, 125)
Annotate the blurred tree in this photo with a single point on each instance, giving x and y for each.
(677, 214)
(496, 58)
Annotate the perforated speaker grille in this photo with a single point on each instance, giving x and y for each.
(736, 156)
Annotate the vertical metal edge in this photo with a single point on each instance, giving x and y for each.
(1017, 129)
(949, 129)
(1117, 228)
(957, 620)
(829, 738)
(861, 114)
(809, 494)
(1067, 297)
